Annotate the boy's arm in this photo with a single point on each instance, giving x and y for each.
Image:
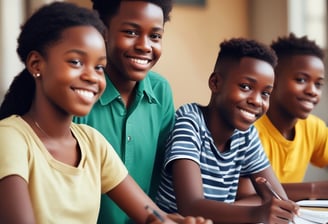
(190, 200)
(262, 191)
(246, 194)
(132, 200)
(307, 190)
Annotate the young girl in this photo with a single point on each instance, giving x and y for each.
(51, 170)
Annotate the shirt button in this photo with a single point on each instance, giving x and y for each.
(129, 138)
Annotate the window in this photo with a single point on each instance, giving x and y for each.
(309, 18)
(191, 2)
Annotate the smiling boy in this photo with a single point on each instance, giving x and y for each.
(211, 146)
(136, 111)
(291, 136)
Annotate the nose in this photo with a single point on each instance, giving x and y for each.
(143, 44)
(90, 75)
(255, 99)
(312, 90)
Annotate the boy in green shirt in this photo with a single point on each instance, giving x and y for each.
(136, 111)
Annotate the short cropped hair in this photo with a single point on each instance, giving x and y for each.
(292, 45)
(108, 8)
(235, 49)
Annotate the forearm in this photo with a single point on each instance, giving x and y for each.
(307, 190)
(132, 200)
(249, 200)
(246, 194)
(221, 212)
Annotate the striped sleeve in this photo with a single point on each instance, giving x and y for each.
(184, 142)
(255, 158)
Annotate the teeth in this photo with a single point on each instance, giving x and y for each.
(139, 61)
(308, 103)
(85, 93)
(248, 113)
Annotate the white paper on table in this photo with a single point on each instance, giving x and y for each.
(308, 216)
(313, 203)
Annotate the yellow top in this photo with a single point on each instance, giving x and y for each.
(60, 193)
(290, 159)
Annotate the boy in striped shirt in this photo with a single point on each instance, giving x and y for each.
(212, 146)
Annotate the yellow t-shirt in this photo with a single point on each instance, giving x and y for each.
(60, 193)
(290, 159)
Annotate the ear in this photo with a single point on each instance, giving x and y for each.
(215, 82)
(34, 62)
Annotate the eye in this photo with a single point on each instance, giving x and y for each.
(319, 85)
(300, 80)
(245, 86)
(156, 36)
(266, 94)
(100, 68)
(130, 32)
(76, 63)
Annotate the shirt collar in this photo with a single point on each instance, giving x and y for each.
(144, 89)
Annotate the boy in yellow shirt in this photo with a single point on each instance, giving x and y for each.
(291, 136)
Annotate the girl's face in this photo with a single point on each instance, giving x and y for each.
(134, 40)
(72, 72)
(298, 85)
(243, 94)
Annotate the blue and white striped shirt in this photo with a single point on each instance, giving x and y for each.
(191, 139)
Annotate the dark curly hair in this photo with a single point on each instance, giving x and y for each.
(108, 8)
(292, 45)
(237, 48)
(40, 31)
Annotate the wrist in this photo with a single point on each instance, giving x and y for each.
(312, 191)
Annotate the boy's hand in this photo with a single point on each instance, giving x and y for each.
(177, 219)
(280, 211)
(188, 219)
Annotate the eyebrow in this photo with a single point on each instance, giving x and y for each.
(83, 53)
(307, 75)
(135, 25)
(255, 81)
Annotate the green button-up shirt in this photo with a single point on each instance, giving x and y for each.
(136, 133)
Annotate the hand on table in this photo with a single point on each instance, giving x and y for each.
(177, 219)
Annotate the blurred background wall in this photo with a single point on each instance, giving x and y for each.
(191, 40)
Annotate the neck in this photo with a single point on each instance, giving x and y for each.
(220, 132)
(48, 127)
(123, 84)
(284, 124)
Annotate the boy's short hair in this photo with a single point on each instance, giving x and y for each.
(108, 8)
(236, 48)
(292, 45)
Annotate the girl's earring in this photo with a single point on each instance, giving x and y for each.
(36, 75)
